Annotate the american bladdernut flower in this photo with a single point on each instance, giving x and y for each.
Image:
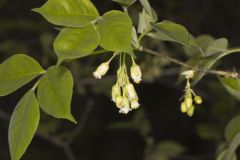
(119, 102)
(183, 107)
(130, 92)
(126, 106)
(101, 70)
(134, 104)
(187, 105)
(198, 100)
(116, 91)
(188, 74)
(188, 102)
(190, 111)
(136, 73)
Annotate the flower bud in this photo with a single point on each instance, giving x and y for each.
(121, 76)
(190, 111)
(116, 91)
(183, 107)
(188, 102)
(101, 70)
(130, 92)
(198, 100)
(134, 104)
(119, 102)
(188, 74)
(136, 73)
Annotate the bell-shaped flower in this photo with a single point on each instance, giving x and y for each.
(126, 106)
(134, 104)
(101, 70)
(116, 91)
(130, 92)
(136, 73)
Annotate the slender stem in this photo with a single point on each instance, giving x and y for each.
(208, 71)
(114, 55)
(69, 153)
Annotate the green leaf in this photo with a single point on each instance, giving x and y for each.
(146, 6)
(232, 147)
(169, 31)
(222, 155)
(135, 42)
(125, 2)
(23, 125)
(149, 10)
(170, 148)
(115, 31)
(68, 12)
(202, 41)
(217, 46)
(16, 71)
(74, 43)
(208, 62)
(232, 128)
(55, 91)
(144, 24)
(232, 86)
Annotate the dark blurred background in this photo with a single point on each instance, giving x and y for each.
(158, 130)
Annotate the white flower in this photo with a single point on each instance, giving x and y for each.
(125, 110)
(136, 73)
(101, 70)
(116, 91)
(126, 106)
(130, 92)
(134, 104)
(119, 102)
(188, 74)
(121, 76)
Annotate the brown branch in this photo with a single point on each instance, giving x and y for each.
(208, 71)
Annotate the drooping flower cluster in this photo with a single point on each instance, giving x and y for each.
(187, 105)
(123, 92)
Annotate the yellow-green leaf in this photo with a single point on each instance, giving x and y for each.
(74, 43)
(55, 91)
(125, 2)
(68, 12)
(16, 71)
(169, 31)
(115, 31)
(23, 125)
(232, 128)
